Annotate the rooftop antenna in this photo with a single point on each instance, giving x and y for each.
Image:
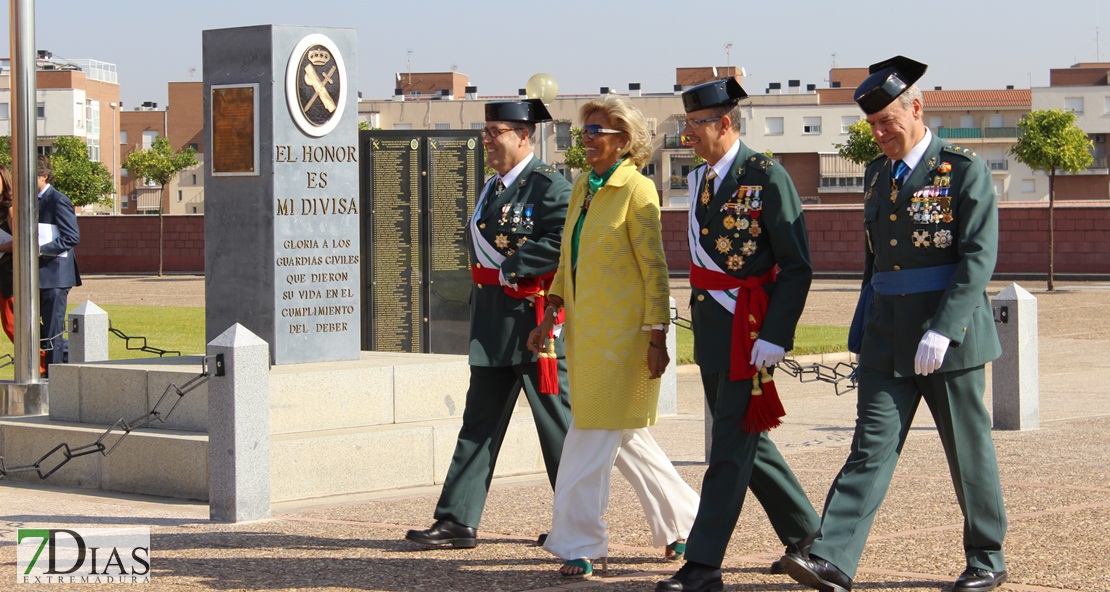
(834, 59)
(408, 65)
(1098, 56)
(728, 57)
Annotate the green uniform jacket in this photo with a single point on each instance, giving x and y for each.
(751, 244)
(524, 223)
(963, 231)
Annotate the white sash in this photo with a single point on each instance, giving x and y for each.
(485, 253)
(698, 255)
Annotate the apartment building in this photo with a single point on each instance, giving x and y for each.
(799, 126)
(1083, 89)
(77, 98)
(182, 123)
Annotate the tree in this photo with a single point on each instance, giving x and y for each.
(575, 154)
(84, 181)
(158, 165)
(6, 151)
(861, 147)
(1050, 141)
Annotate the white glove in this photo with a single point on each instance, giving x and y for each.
(505, 282)
(766, 354)
(930, 353)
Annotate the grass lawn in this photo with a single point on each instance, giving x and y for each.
(164, 327)
(182, 329)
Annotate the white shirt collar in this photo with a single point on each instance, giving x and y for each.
(918, 151)
(722, 167)
(510, 177)
(45, 187)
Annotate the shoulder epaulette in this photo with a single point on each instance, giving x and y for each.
(958, 150)
(761, 162)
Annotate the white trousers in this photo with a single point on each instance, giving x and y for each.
(582, 491)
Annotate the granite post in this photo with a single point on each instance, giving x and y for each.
(282, 220)
(238, 427)
(1015, 377)
(88, 334)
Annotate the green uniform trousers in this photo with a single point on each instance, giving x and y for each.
(739, 460)
(885, 409)
(490, 401)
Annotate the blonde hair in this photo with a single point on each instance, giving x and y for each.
(624, 116)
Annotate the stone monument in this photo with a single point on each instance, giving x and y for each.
(282, 218)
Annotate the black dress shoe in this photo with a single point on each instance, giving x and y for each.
(540, 540)
(445, 533)
(975, 579)
(801, 548)
(693, 577)
(816, 573)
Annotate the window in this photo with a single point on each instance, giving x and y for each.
(652, 125)
(648, 170)
(772, 126)
(93, 145)
(442, 126)
(562, 135)
(402, 126)
(92, 116)
(743, 126)
(1074, 104)
(194, 146)
(936, 122)
(180, 195)
(477, 125)
(124, 173)
(1028, 186)
(148, 139)
(5, 111)
(1105, 104)
(967, 121)
(40, 110)
(414, 93)
(811, 125)
(995, 120)
(194, 179)
(123, 136)
(846, 121)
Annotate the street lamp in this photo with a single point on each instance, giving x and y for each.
(542, 86)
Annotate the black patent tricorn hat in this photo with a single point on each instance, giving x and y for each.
(888, 79)
(713, 94)
(528, 111)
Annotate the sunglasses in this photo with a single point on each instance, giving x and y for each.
(591, 131)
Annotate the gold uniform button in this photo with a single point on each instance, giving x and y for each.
(897, 267)
(479, 286)
(532, 304)
(478, 265)
(513, 229)
(701, 297)
(893, 217)
(894, 242)
(705, 231)
(482, 225)
(513, 274)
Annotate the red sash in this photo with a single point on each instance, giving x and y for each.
(536, 287)
(765, 409)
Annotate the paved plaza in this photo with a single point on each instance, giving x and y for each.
(1056, 483)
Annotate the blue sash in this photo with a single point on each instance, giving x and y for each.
(906, 281)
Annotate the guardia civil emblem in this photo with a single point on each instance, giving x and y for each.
(316, 85)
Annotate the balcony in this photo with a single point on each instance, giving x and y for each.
(978, 133)
(673, 141)
(998, 165)
(679, 182)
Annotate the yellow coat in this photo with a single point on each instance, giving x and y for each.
(620, 286)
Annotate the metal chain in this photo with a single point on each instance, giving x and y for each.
(162, 411)
(842, 375)
(143, 347)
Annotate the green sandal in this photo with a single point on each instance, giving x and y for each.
(675, 551)
(585, 566)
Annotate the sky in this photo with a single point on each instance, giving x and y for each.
(587, 44)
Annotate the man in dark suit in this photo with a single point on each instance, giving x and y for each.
(924, 330)
(513, 238)
(745, 221)
(57, 263)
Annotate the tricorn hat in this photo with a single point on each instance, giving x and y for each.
(713, 94)
(528, 111)
(888, 79)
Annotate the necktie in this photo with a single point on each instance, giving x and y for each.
(707, 192)
(899, 172)
(498, 187)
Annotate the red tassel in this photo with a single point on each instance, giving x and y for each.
(549, 369)
(765, 410)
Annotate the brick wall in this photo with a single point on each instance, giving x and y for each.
(129, 244)
(836, 238)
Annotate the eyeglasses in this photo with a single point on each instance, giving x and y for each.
(491, 133)
(591, 131)
(694, 123)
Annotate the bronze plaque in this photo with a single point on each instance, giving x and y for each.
(234, 130)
